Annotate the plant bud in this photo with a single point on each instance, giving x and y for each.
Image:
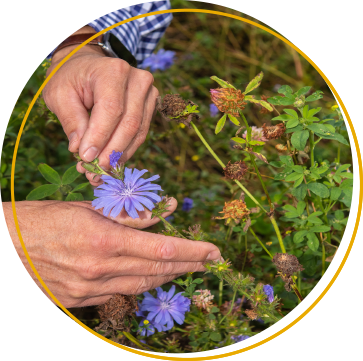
(299, 101)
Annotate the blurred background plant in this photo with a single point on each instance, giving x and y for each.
(203, 45)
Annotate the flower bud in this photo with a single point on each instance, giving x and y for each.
(299, 101)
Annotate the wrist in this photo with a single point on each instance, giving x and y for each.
(87, 49)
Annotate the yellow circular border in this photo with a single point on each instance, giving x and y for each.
(185, 11)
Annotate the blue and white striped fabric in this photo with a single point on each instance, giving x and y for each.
(139, 36)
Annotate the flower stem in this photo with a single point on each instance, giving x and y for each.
(220, 295)
(223, 165)
(134, 340)
(169, 226)
(261, 244)
(312, 146)
(230, 310)
(278, 234)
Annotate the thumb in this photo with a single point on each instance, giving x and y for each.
(144, 219)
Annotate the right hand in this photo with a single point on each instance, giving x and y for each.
(85, 258)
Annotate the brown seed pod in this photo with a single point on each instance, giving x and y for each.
(236, 170)
(228, 100)
(251, 314)
(274, 131)
(235, 210)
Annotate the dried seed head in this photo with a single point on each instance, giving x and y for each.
(273, 132)
(251, 314)
(235, 171)
(172, 106)
(287, 263)
(228, 100)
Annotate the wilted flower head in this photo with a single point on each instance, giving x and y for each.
(114, 158)
(187, 204)
(269, 292)
(236, 170)
(162, 60)
(235, 210)
(251, 314)
(273, 132)
(228, 100)
(213, 110)
(166, 307)
(203, 300)
(133, 193)
(256, 134)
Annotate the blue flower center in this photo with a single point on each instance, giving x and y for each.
(165, 305)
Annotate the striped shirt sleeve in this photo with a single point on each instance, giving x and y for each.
(139, 36)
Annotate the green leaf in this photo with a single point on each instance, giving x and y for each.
(215, 336)
(74, 197)
(286, 159)
(222, 83)
(211, 316)
(316, 214)
(285, 89)
(289, 207)
(299, 181)
(313, 242)
(49, 174)
(314, 220)
(347, 197)
(339, 215)
(254, 83)
(315, 96)
(342, 168)
(292, 123)
(299, 236)
(80, 186)
(293, 177)
(319, 229)
(256, 142)
(292, 113)
(300, 192)
(276, 164)
(303, 91)
(258, 101)
(298, 169)
(284, 117)
(198, 281)
(238, 140)
(295, 129)
(233, 119)
(214, 310)
(70, 175)
(312, 112)
(42, 192)
(277, 100)
(319, 128)
(300, 208)
(335, 193)
(299, 139)
(305, 111)
(319, 189)
(221, 123)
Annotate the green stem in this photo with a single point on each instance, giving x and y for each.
(134, 340)
(261, 244)
(312, 146)
(169, 226)
(220, 295)
(223, 165)
(323, 259)
(244, 261)
(277, 230)
(262, 182)
(231, 308)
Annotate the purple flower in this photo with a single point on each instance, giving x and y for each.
(239, 338)
(133, 193)
(162, 60)
(269, 292)
(114, 158)
(213, 110)
(256, 134)
(166, 307)
(147, 328)
(187, 204)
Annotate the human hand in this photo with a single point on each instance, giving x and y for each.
(121, 99)
(85, 258)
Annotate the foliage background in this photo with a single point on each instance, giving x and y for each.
(205, 45)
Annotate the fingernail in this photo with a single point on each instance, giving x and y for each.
(72, 138)
(214, 255)
(90, 154)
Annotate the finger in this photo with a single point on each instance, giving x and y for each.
(130, 126)
(71, 112)
(144, 219)
(140, 137)
(109, 103)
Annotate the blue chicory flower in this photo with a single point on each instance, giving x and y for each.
(133, 193)
(114, 158)
(269, 292)
(147, 329)
(213, 110)
(166, 307)
(187, 204)
(162, 60)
